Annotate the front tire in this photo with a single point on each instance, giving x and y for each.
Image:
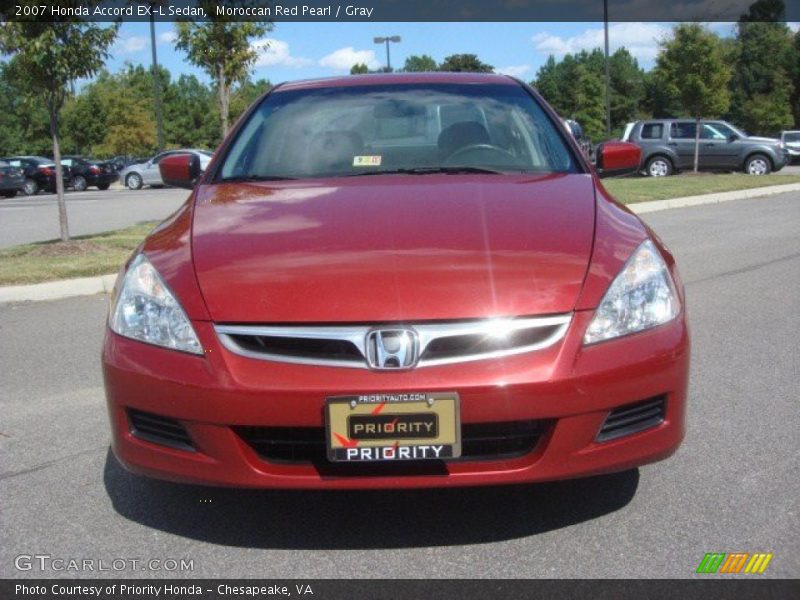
(758, 164)
(133, 181)
(79, 183)
(659, 166)
(31, 188)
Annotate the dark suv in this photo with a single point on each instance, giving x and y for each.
(668, 146)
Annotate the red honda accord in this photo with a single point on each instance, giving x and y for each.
(389, 281)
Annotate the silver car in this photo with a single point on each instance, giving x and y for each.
(136, 176)
(790, 140)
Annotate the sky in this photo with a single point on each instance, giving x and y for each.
(294, 51)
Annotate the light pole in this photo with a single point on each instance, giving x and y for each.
(608, 79)
(156, 85)
(387, 40)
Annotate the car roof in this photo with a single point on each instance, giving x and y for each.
(397, 79)
(29, 157)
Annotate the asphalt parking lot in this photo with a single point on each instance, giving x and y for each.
(732, 487)
(25, 219)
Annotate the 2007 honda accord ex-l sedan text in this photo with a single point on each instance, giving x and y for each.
(399, 280)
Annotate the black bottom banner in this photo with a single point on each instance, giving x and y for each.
(395, 589)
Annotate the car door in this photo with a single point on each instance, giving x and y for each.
(718, 149)
(681, 140)
(150, 174)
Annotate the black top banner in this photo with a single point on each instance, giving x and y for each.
(398, 10)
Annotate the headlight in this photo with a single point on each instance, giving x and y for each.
(640, 297)
(146, 310)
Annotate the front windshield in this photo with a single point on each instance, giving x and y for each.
(416, 128)
(791, 137)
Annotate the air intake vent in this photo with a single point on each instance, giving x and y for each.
(482, 441)
(633, 418)
(159, 430)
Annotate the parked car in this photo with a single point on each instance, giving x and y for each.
(40, 173)
(90, 172)
(668, 146)
(584, 142)
(138, 175)
(120, 162)
(397, 280)
(12, 179)
(790, 140)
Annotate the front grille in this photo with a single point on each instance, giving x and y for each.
(633, 418)
(438, 343)
(479, 441)
(159, 430)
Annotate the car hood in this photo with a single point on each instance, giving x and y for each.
(393, 248)
(762, 140)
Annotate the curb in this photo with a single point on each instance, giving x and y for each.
(655, 205)
(88, 286)
(57, 290)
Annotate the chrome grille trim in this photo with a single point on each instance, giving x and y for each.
(426, 332)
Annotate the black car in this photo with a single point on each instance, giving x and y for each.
(40, 173)
(11, 179)
(88, 172)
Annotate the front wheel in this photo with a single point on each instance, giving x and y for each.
(31, 188)
(758, 164)
(79, 183)
(658, 166)
(134, 181)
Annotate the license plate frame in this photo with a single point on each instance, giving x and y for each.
(405, 427)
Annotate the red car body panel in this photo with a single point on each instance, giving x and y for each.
(366, 251)
(397, 249)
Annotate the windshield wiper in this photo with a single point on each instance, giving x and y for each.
(246, 178)
(429, 170)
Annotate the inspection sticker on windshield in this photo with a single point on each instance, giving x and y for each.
(366, 161)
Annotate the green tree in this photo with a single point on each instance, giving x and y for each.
(190, 115)
(47, 58)
(764, 62)
(589, 108)
(466, 63)
(627, 88)
(796, 80)
(419, 64)
(84, 119)
(223, 50)
(359, 69)
(692, 66)
(131, 129)
(23, 120)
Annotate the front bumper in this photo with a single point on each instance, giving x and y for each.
(102, 179)
(573, 388)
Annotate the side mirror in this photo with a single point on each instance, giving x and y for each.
(618, 158)
(180, 170)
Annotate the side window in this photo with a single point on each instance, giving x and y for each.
(158, 158)
(712, 132)
(682, 130)
(652, 131)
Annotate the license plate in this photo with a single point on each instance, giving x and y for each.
(393, 427)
